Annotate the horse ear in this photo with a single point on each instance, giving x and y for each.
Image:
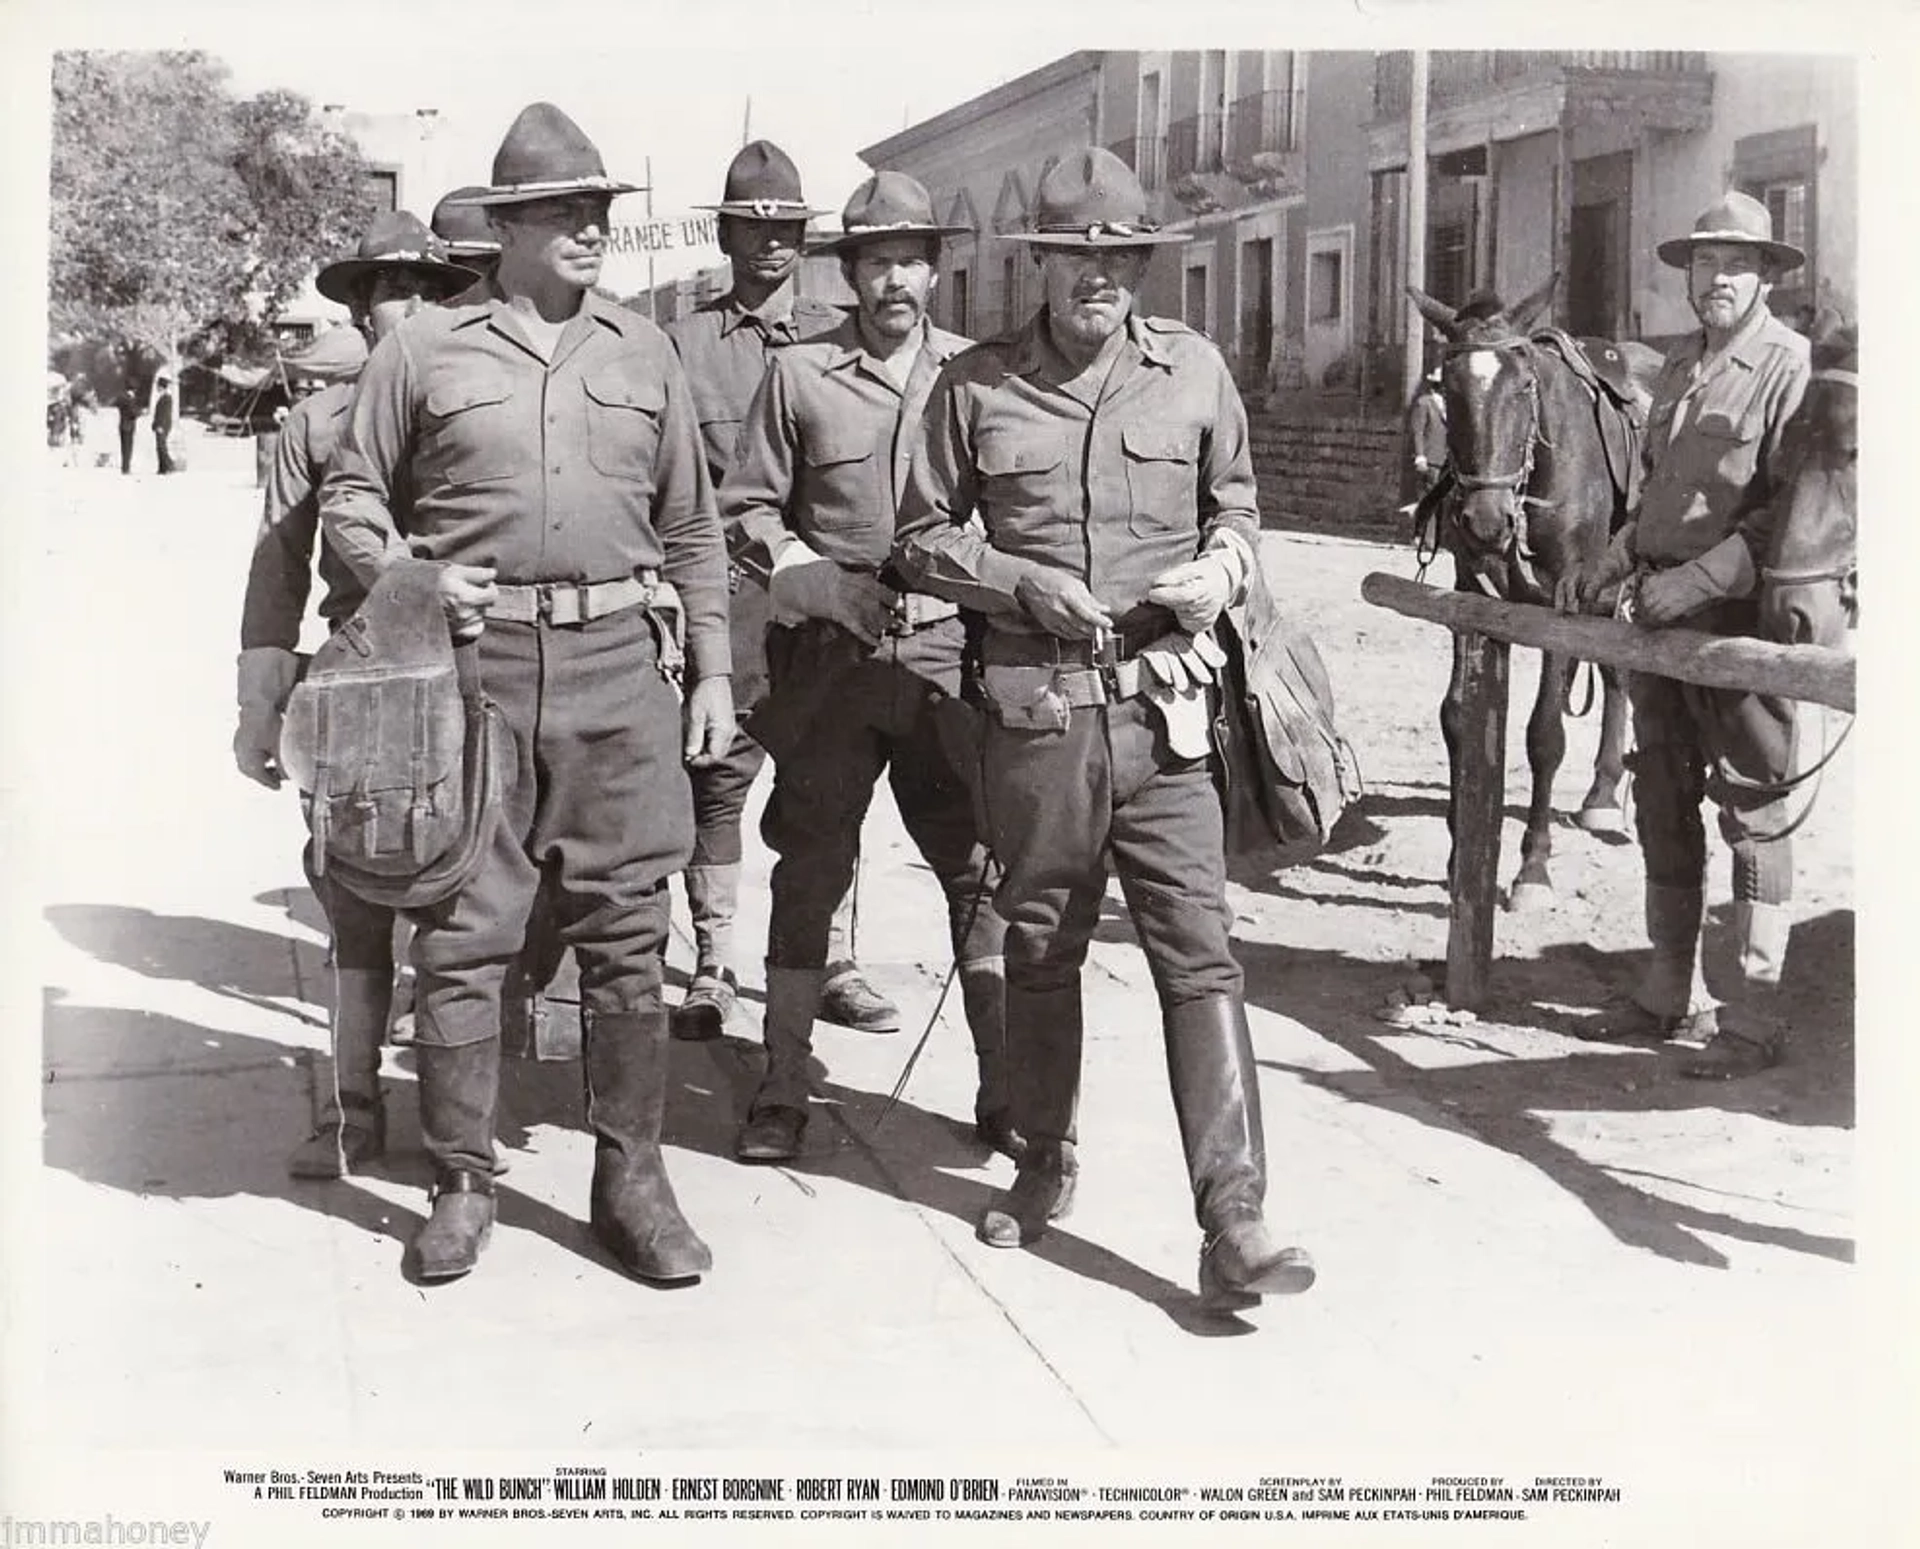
(1438, 313)
(1524, 312)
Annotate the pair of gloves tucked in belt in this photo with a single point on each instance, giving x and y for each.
(1659, 597)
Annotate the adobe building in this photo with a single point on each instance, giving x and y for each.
(1581, 162)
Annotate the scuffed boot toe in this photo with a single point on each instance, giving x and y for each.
(771, 1134)
(1242, 1263)
(1020, 1215)
(638, 1221)
(449, 1245)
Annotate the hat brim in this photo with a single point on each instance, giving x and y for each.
(1082, 239)
(842, 241)
(342, 280)
(757, 210)
(459, 250)
(1678, 253)
(560, 188)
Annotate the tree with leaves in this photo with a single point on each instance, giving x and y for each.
(182, 218)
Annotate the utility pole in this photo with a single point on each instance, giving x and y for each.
(746, 123)
(653, 304)
(1416, 225)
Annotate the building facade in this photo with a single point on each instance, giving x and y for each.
(1580, 163)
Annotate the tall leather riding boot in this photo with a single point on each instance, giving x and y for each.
(634, 1212)
(1673, 985)
(983, 991)
(1216, 1098)
(713, 899)
(1753, 1033)
(352, 1127)
(777, 1117)
(1044, 1035)
(459, 1091)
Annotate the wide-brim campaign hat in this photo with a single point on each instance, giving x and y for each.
(1734, 218)
(1093, 199)
(545, 155)
(463, 226)
(395, 240)
(335, 356)
(763, 184)
(888, 204)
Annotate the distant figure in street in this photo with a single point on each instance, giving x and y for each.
(162, 421)
(128, 404)
(1426, 438)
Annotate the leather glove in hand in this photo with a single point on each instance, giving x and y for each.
(817, 588)
(1194, 593)
(1667, 596)
(1578, 591)
(265, 679)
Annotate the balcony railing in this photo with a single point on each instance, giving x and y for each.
(1260, 122)
(1147, 155)
(1194, 144)
(1454, 75)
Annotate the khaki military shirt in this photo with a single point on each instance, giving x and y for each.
(724, 347)
(1713, 437)
(824, 451)
(1115, 490)
(587, 467)
(281, 575)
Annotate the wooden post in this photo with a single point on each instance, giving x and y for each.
(1479, 800)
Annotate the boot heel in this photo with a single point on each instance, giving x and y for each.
(1216, 1296)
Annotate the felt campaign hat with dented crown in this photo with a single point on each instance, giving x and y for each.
(888, 204)
(1733, 218)
(395, 240)
(545, 155)
(463, 227)
(1093, 199)
(763, 184)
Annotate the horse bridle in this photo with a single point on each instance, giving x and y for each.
(1513, 484)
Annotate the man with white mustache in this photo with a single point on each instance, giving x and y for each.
(864, 675)
(1702, 530)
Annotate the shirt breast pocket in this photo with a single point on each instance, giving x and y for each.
(841, 486)
(469, 433)
(1161, 478)
(1024, 484)
(1729, 445)
(623, 424)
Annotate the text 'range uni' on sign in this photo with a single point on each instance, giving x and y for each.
(666, 234)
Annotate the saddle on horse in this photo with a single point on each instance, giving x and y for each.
(1620, 404)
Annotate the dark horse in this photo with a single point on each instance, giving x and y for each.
(1807, 585)
(1543, 442)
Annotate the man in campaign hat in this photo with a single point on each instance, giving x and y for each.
(725, 345)
(398, 267)
(1085, 482)
(463, 228)
(547, 445)
(1691, 555)
(865, 675)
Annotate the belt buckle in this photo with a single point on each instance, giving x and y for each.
(900, 615)
(545, 592)
(1106, 660)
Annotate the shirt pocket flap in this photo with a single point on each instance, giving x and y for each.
(1006, 454)
(613, 391)
(446, 399)
(1729, 424)
(1151, 443)
(828, 452)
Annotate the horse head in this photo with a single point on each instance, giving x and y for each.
(1806, 593)
(1492, 393)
